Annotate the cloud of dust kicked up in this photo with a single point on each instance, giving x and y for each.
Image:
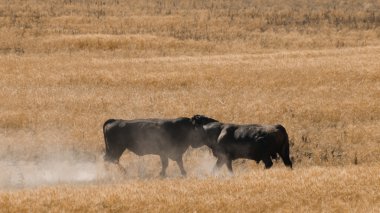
(49, 157)
(29, 161)
(29, 174)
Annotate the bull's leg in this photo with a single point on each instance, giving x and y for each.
(285, 156)
(165, 163)
(122, 169)
(267, 161)
(180, 165)
(274, 156)
(286, 160)
(229, 165)
(219, 163)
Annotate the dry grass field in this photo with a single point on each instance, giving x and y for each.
(68, 65)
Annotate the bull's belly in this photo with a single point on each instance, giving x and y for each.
(144, 148)
(246, 156)
(155, 148)
(141, 152)
(245, 151)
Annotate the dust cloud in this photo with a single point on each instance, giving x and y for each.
(22, 174)
(203, 164)
(28, 159)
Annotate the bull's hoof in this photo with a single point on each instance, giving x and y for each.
(162, 174)
(122, 169)
(230, 174)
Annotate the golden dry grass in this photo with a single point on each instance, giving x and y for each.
(313, 189)
(67, 66)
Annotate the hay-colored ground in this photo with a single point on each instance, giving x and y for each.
(312, 189)
(67, 66)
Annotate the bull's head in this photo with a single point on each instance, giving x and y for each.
(199, 121)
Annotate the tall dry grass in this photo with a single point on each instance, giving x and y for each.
(185, 27)
(67, 66)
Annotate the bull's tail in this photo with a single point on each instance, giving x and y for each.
(104, 131)
(284, 152)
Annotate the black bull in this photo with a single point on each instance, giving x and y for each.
(167, 138)
(257, 142)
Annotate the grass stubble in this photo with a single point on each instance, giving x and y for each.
(67, 66)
